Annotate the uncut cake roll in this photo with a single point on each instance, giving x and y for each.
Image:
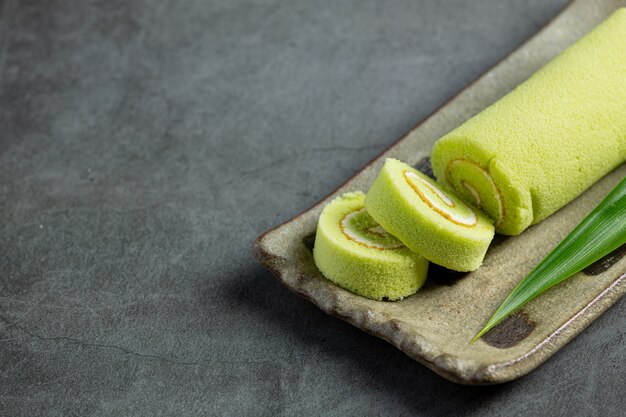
(354, 252)
(548, 140)
(427, 218)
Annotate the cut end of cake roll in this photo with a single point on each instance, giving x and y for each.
(481, 179)
(428, 218)
(352, 250)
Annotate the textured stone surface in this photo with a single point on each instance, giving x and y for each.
(144, 146)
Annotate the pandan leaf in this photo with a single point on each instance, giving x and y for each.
(600, 233)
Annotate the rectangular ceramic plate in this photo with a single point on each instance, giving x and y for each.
(436, 325)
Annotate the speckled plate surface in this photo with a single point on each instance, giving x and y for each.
(436, 325)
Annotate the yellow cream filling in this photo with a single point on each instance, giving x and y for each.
(360, 235)
(474, 190)
(439, 201)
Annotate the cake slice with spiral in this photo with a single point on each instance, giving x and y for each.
(428, 218)
(355, 252)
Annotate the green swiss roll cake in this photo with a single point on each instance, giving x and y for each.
(548, 140)
(427, 218)
(353, 251)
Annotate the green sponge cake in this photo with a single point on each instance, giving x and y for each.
(354, 252)
(427, 218)
(556, 134)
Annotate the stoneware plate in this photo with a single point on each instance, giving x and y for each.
(436, 325)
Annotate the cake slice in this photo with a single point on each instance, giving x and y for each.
(428, 218)
(353, 251)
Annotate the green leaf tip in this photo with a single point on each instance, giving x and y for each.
(600, 233)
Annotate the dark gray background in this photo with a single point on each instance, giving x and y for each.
(145, 144)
